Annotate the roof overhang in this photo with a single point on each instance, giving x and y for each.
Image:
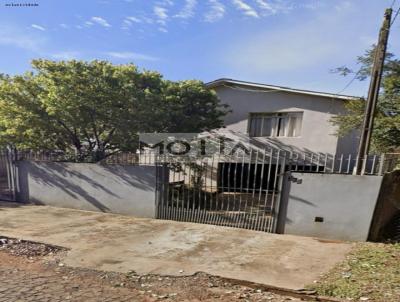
(258, 86)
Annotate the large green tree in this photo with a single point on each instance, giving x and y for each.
(386, 132)
(98, 108)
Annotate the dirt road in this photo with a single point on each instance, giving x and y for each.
(34, 272)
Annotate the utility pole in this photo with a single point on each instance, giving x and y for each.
(373, 93)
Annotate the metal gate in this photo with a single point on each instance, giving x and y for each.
(7, 175)
(240, 190)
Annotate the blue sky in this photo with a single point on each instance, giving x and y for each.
(292, 43)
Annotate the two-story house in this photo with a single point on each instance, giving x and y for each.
(287, 118)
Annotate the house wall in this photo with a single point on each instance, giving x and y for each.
(317, 133)
(119, 189)
(345, 202)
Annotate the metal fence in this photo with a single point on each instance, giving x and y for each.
(240, 190)
(311, 162)
(7, 175)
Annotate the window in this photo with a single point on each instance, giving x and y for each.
(286, 124)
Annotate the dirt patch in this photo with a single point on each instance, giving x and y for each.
(41, 274)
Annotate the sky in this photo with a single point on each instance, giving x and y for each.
(293, 43)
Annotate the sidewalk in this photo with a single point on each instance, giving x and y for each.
(121, 244)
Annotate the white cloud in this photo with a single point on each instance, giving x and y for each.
(128, 22)
(126, 55)
(245, 8)
(163, 29)
(188, 10)
(100, 21)
(66, 55)
(161, 13)
(35, 26)
(13, 36)
(166, 2)
(217, 11)
(63, 25)
(266, 7)
(132, 19)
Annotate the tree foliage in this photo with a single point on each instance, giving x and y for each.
(386, 132)
(98, 108)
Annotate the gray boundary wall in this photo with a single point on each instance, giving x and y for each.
(119, 189)
(346, 203)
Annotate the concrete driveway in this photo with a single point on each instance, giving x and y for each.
(120, 243)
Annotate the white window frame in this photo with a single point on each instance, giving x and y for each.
(276, 120)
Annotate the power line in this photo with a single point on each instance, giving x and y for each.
(395, 16)
(349, 83)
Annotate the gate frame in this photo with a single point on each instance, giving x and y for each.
(11, 174)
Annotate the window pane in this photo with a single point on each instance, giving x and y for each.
(292, 126)
(282, 126)
(295, 125)
(267, 127)
(255, 126)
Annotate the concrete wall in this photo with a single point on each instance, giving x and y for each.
(388, 206)
(116, 189)
(345, 202)
(317, 133)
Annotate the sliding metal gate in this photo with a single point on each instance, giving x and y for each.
(241, 190)
(7, 176)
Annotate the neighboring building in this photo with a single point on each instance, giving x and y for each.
(293, 119)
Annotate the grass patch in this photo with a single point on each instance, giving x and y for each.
(371, 272)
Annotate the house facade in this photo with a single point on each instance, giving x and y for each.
(291, 119)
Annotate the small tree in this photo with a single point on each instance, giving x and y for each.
(386, 132)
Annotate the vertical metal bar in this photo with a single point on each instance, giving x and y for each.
(356, 164)
(381, 164)
(219, 183)
(212, 194)
(191, 200)
(256, 226)
(234, 210)
(325, 163)
(222, 204)
(174, 201)
(8, 169)
(373, 165)
(245, 214)
(279, 193)
(204, 190)
(251, 221)
(271, 221)
(229, 189)
(348, 164)
(267, 190)
(341, 164)
(241, 190)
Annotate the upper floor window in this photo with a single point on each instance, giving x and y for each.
(285, 124)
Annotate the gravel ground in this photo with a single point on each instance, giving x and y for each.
(35, 272)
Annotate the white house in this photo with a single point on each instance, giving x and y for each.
(289, 118)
